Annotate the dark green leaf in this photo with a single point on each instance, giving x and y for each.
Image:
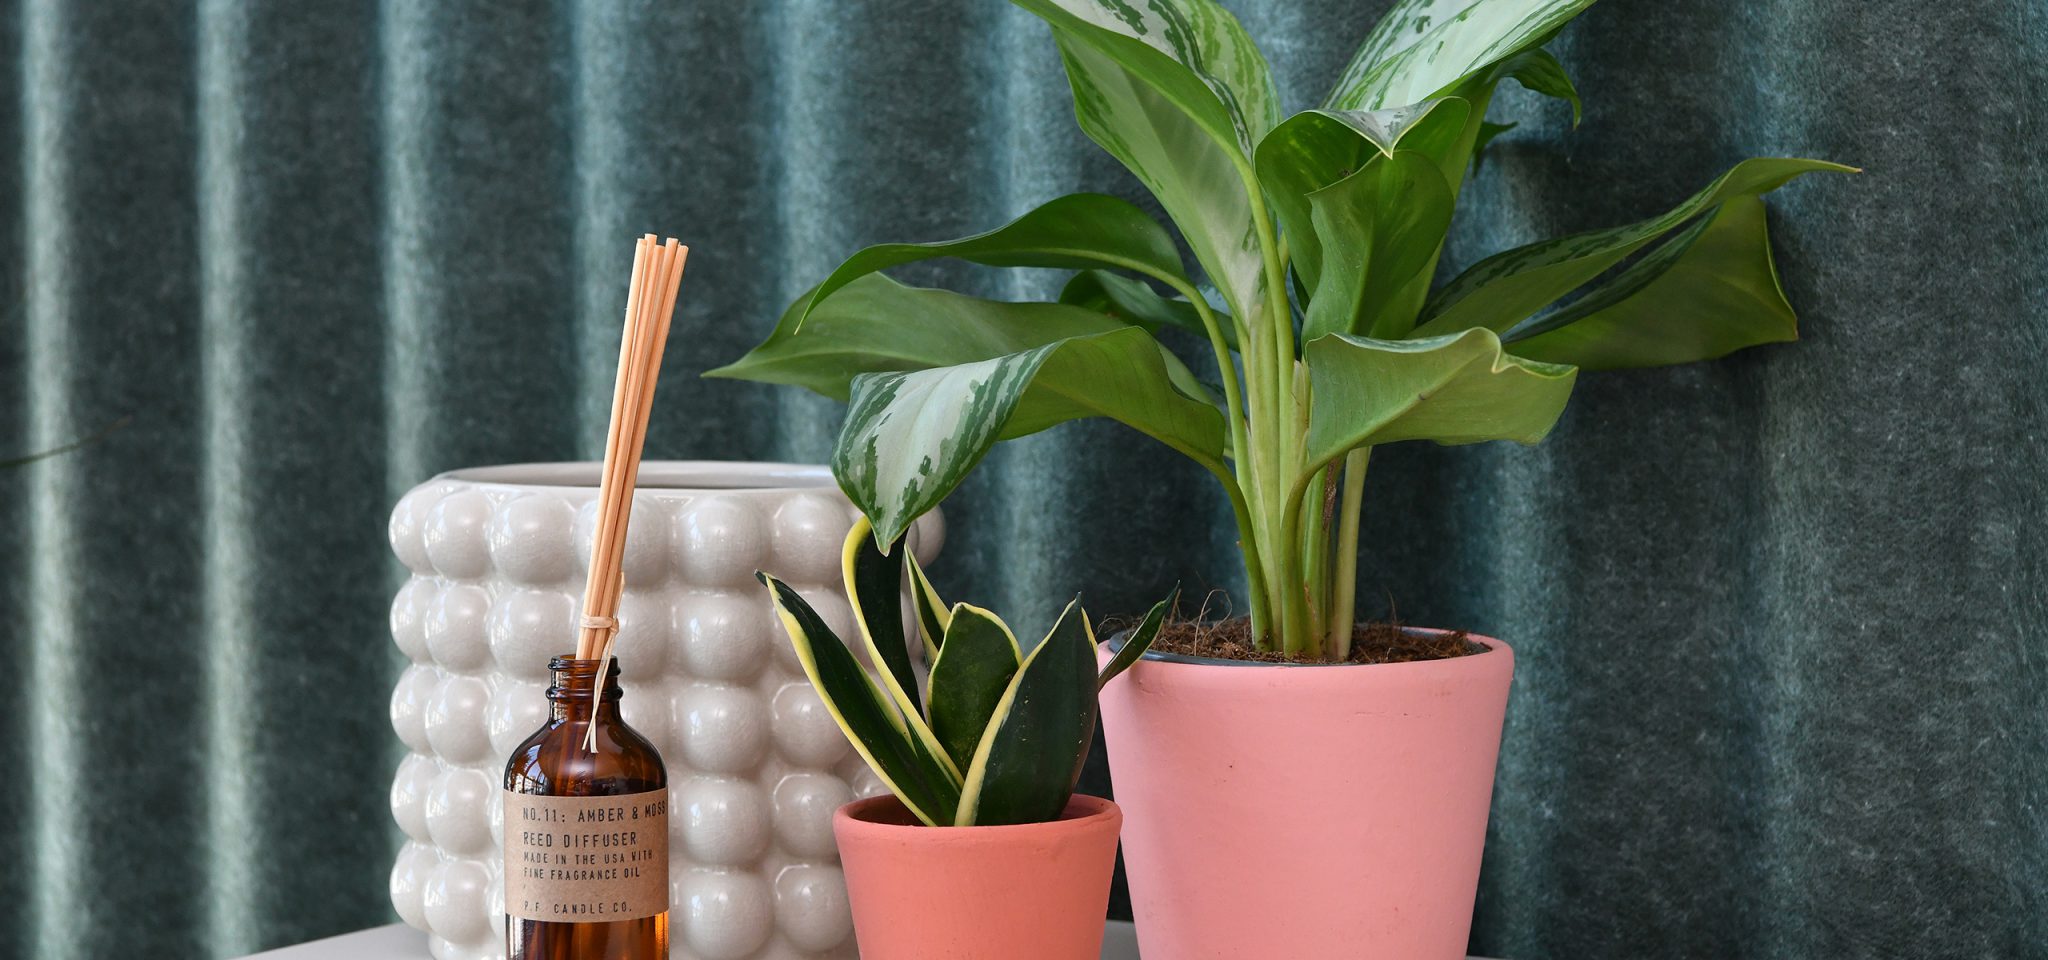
(1506, 288)
(1138, 640)
(1539, 71)
(1077, 232)
(1026, 765)
(1487, 131)
(870, 724)
(1315, 149)
(1705, 293)
(1381, 228)
(874, 588)
(1135, 302)
(975, 665)
(932, 617)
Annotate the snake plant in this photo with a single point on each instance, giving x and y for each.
(1319, 235)
(1001, 732)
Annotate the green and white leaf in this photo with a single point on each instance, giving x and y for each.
(875, 324)
(1177, 92)
(1138, 640)
(1199, 36)
(1705, 293)
(1025, 767)
(974, 667)
(871, 725)
(1506, 288)
(910, 438)
(1078, 231)
(1461, 388)
(1424, 47)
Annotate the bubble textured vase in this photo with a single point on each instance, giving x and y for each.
(756, 765)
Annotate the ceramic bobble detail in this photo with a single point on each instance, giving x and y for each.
(756, 764)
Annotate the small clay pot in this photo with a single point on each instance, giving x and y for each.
(1034, 891)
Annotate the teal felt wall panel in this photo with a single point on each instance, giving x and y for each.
(1783, 686)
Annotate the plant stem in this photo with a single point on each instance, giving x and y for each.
(1296, 636)
(1276, 440)
(1343, 609)
(1318, 512)
(1240, 446)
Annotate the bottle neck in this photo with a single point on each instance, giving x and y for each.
(569, 696)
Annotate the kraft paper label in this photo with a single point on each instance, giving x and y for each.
(586, 859)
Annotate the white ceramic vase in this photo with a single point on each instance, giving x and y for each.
(756, 765)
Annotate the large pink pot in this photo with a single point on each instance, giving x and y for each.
(1306, 812)
(1034, 891)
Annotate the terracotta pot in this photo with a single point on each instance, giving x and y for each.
(1035, 891)
(1310, 812)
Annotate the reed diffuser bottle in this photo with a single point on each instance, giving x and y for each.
(586, 831)
(586, 797)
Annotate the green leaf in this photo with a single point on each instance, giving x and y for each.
(1134, 301)
(1706, 293)
(1450, 130)
(1423, 47)
(1538, 71)
(1029, 759)
(1077, 231)
(1176, 91)
(1316, 149)
(874, 589)
(975, 665)
(1381, 228)
(910, 438)
(932, 616)
(1502, 290)
(1138, 640)
(1487, 131)
(874, 729)
(875, 324)
(1455, 389)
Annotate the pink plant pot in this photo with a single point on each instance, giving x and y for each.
(1306, 812)
(1035, 891)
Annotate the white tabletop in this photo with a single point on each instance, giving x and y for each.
(396, 942)
(400, 942)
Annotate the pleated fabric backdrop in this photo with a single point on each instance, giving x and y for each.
(1783, 686)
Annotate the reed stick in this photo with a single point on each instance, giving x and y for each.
(650, 306)
(595, 587)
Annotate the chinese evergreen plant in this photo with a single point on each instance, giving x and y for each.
(1319, 234)
(999, 736)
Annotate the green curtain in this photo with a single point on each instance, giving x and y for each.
(1783, 685)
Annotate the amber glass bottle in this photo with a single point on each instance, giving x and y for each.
(586, 832)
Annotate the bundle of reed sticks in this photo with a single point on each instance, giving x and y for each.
(650, 302)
